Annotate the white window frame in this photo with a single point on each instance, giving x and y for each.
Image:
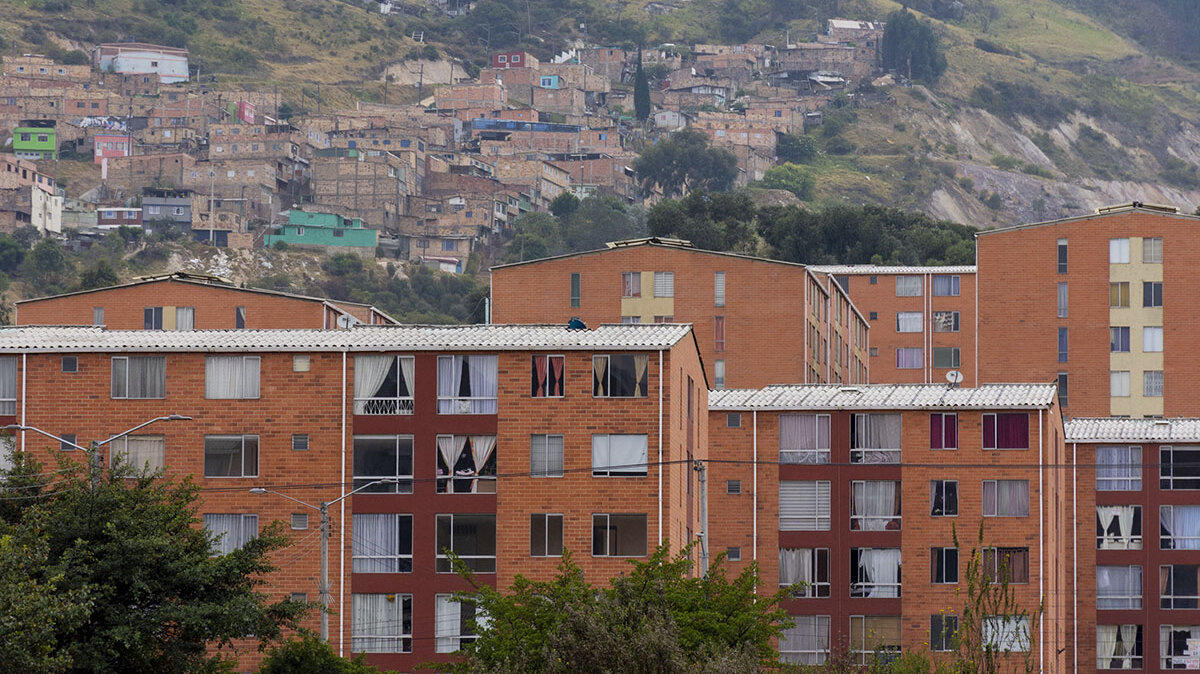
(858, 645)
(484, 564)
(546, 520)
(908, 286)
(1152, 250)
(128, 360)
(225, 544)
(806, 517)
(818, 588)
(602, 465)
(819, 628)
(249, 377)
(1118, 251)
(403, 482)
(909, 321)
(820, 454)
(719, 289)
(374, 637)
(1006, 634)
(156, 463)
(1121, 601)
(860, 520)
(606, 519)
(1118, 383)
(554, 456)
(995, 509)
(664, 284)
(1132, 481)
(370, 556)
(249, 467)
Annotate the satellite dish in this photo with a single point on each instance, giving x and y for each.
(954, 377)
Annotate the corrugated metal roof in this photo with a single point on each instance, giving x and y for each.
(1113, 429)
(884, 397)
(638, 337)
(875, 269)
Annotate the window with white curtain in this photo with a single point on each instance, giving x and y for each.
(875, 438)
(1173, 643)
(1118, 468)
(383, 384)
(381, 623)
(1118, 251)
(1152, 250)
(1118, 646)
(909, 321)
(1006, 633)
(185, 318)
(874, 639)
(382, 543)
(619, 455)
(804, 438)
(1180, 527)
(383, 457)
(230, 531)
(945, 285)
(231, 456)
(908, 286)
(1119, 587)
(804, 505)
(455, 623)
(875, 572)
(806, 642)
(807, 569)
(545, 455)
(472, 537)
(8, 385)
(1118, 383)
(1006, 498)
(466, 464)
(138, 377)
(1152, 339)
(1179, 586)
(1063, 295)
(664, 284)
(467, 384)
(620, 376)
(1119, 527)
(228, 377)
(875, 505)
(545, 535)
(618, 535)
(139, 453)
(909, 358)
(1179, 468)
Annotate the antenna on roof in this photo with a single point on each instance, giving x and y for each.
(954, 377)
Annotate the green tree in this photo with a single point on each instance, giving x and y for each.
(309, 655)
(718, 221)
(76, 57)
(12, 254)
(100, 275)
(641, 92)
(789, 177)
(564, 205)
(33, 607)
(598, 220)
(46, 264)
(795, 148)
(911, 47)
(685, 162)
(538, 235)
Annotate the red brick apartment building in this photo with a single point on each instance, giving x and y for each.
(1137, 604)
(1095, 302)
(199, 303)
(758, 321)
(922, 320)
(859, 490)
(505, 444)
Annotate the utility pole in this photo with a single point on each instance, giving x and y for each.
(702, 479)
(324, 589)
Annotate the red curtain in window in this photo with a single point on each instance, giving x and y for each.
(1012, 431)
(557, 364)
(539, 376)
(950, 424)
(935, 432)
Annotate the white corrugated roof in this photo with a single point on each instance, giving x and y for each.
(883, 397)
(636, 337)
(1113, 429)
(878, 269)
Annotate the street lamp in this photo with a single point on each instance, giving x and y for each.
(94, 450)
(324, 510)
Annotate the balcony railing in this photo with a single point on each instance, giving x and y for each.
(383, 405)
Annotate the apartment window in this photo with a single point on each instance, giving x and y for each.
(1007, 634)
(718, 333)
(1118, 340)
(943, 566)
(804, 438)
(1120, 646)
(1152, 339)
(138, 377)
(1179, 525)
(943, 430)
(806, 642)
(467, 384)
(943, 498)
(1011, 564)
(575, 289)
(945, 286)
(875, 572)
(471, 537)
(1152, 251)
(1176, 640)
(546, 455)
(185, 317)
(152, 318)
(875, 438)
(231, 456)
(807, 568)
(1062, 256)
(908, 286)
(664, 284)
(943, 630)
(545, 535)
(910, 358)
(1152, 294)
(631, 284)
(874, 639)
(466, 464)
(139, 454)
(548, 375)
(873, 351)
(1119, 587)
(381, 623)
(1152, 383)
(908, 321)
(1178, 583)
(804, 505)
(946, 357)
(616, 535)
(383, 457)
(230, 531)
(97, 315)
(1118, 383)
(631, 320)
(719, 289)
(8, 385)
(1118, 294)
(1006, 430)
(454, 623)
(1119, 468)
(945, 321)
(1062, 300)
(1063, 345)
(664, 319)
(70, 364)
(733, 487)
(230, 377)
(68, 442)
(1006, 498)
(619, 376)
(875, 505)
(384, 384)
(718, 374)
(239, 314)
(382, 543)
(1118, 251)
(1120, 528)
(619, 455)
(733, 420)
(1064, 382)
(874, 315)
(1179, 468)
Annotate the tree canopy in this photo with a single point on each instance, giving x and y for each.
(685, 162)
(911, 47)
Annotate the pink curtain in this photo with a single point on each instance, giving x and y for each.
(557, 364)
(539, 376)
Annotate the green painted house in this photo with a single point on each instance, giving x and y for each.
(325, 230)
(35, 140)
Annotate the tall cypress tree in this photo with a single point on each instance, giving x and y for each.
(641, 92)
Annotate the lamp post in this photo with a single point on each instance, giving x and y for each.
(324, 510)
(94, 450)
